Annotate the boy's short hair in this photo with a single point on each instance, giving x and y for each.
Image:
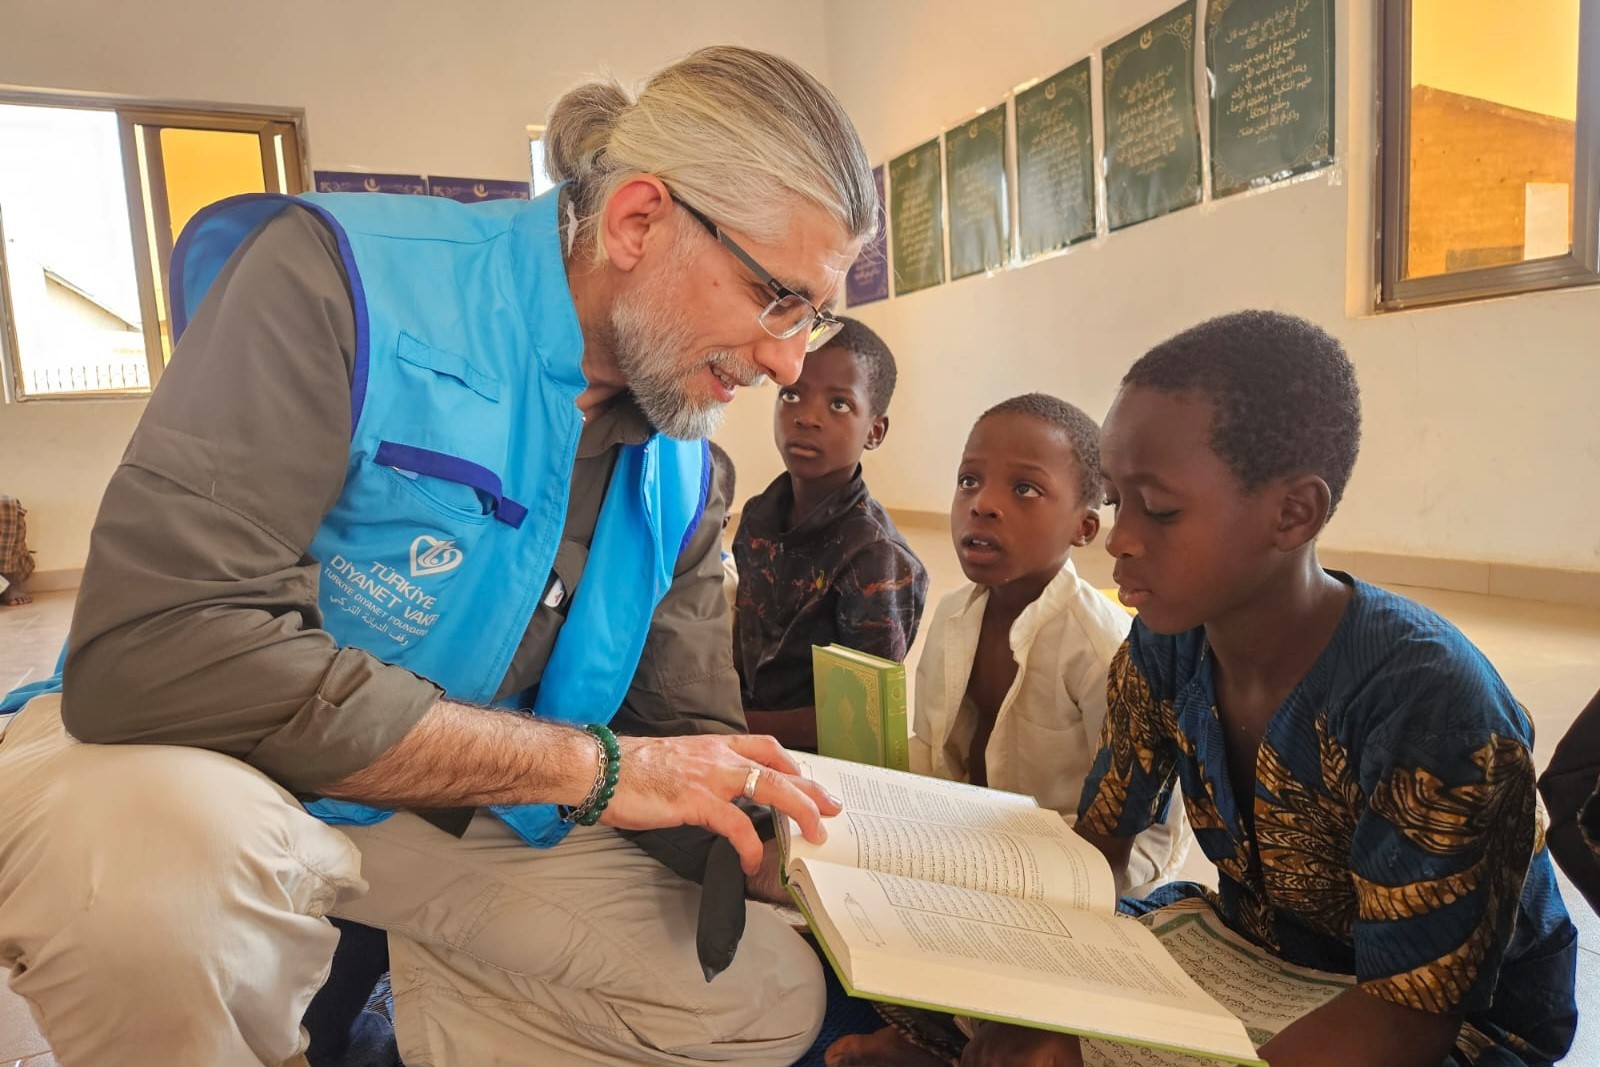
(874, 358)
(1285, 395)
(722, 470)
(1083, 433)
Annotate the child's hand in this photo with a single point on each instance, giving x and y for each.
(999, 1045)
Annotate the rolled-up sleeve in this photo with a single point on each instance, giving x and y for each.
(197, 620)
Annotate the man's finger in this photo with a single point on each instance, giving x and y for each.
(767, 751)
(827, 803)
(764, 749)
(788, 797)
(725, 818)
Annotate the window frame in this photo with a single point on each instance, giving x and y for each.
(285, 164)
(1581, 266)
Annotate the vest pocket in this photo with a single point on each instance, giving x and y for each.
(412, 351)
(396, 554)
(440, 402)
(450, 435)
(463, 488)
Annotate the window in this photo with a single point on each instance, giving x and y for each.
(93, 195)
(542, 182)
(1489, 159)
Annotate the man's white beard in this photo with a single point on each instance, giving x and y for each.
(651, 345)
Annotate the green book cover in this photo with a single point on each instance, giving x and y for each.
(861, 707)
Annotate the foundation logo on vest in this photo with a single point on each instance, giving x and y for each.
(429, 555)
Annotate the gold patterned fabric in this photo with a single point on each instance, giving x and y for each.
(16, 562)
(1394, 832)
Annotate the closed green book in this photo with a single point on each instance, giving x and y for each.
(861, 707)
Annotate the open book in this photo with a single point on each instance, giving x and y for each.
(1266, 993)
(940, 895)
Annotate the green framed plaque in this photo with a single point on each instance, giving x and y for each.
(980, 204)
(1152, 151)
(1271, 65)
(1055, 162)
(916, 219)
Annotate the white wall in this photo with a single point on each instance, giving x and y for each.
(413, 86)
(1481, 437)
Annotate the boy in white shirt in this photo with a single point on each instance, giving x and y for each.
(1011, 686)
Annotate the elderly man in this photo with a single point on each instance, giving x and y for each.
(415, 465)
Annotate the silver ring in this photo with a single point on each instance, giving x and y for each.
(751, 780)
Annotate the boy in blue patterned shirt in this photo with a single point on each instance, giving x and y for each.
(1359, 773)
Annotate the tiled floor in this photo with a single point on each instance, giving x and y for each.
(1548, 654)
(30, 640)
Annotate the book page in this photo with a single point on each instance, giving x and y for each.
(1267, 994)
(953, 834)
(1016, 960)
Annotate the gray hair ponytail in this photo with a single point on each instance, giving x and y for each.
(740, 134)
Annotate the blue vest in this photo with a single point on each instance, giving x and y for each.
(467, 365)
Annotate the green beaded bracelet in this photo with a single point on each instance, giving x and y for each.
(605, 779)
(609, 769)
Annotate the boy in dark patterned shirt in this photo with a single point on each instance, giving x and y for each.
(819, 560)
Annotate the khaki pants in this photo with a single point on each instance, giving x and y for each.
(164, 906)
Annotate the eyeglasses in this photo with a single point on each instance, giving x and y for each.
(789, 312)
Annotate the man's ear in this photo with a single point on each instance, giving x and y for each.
(879, 430)
(1304, 502)
(637, 218)
(1088, 528)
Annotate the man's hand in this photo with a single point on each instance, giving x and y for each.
(1000, 1045)
(461, 756)
(676, 781)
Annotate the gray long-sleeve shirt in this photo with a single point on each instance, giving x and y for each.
(197, 619)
